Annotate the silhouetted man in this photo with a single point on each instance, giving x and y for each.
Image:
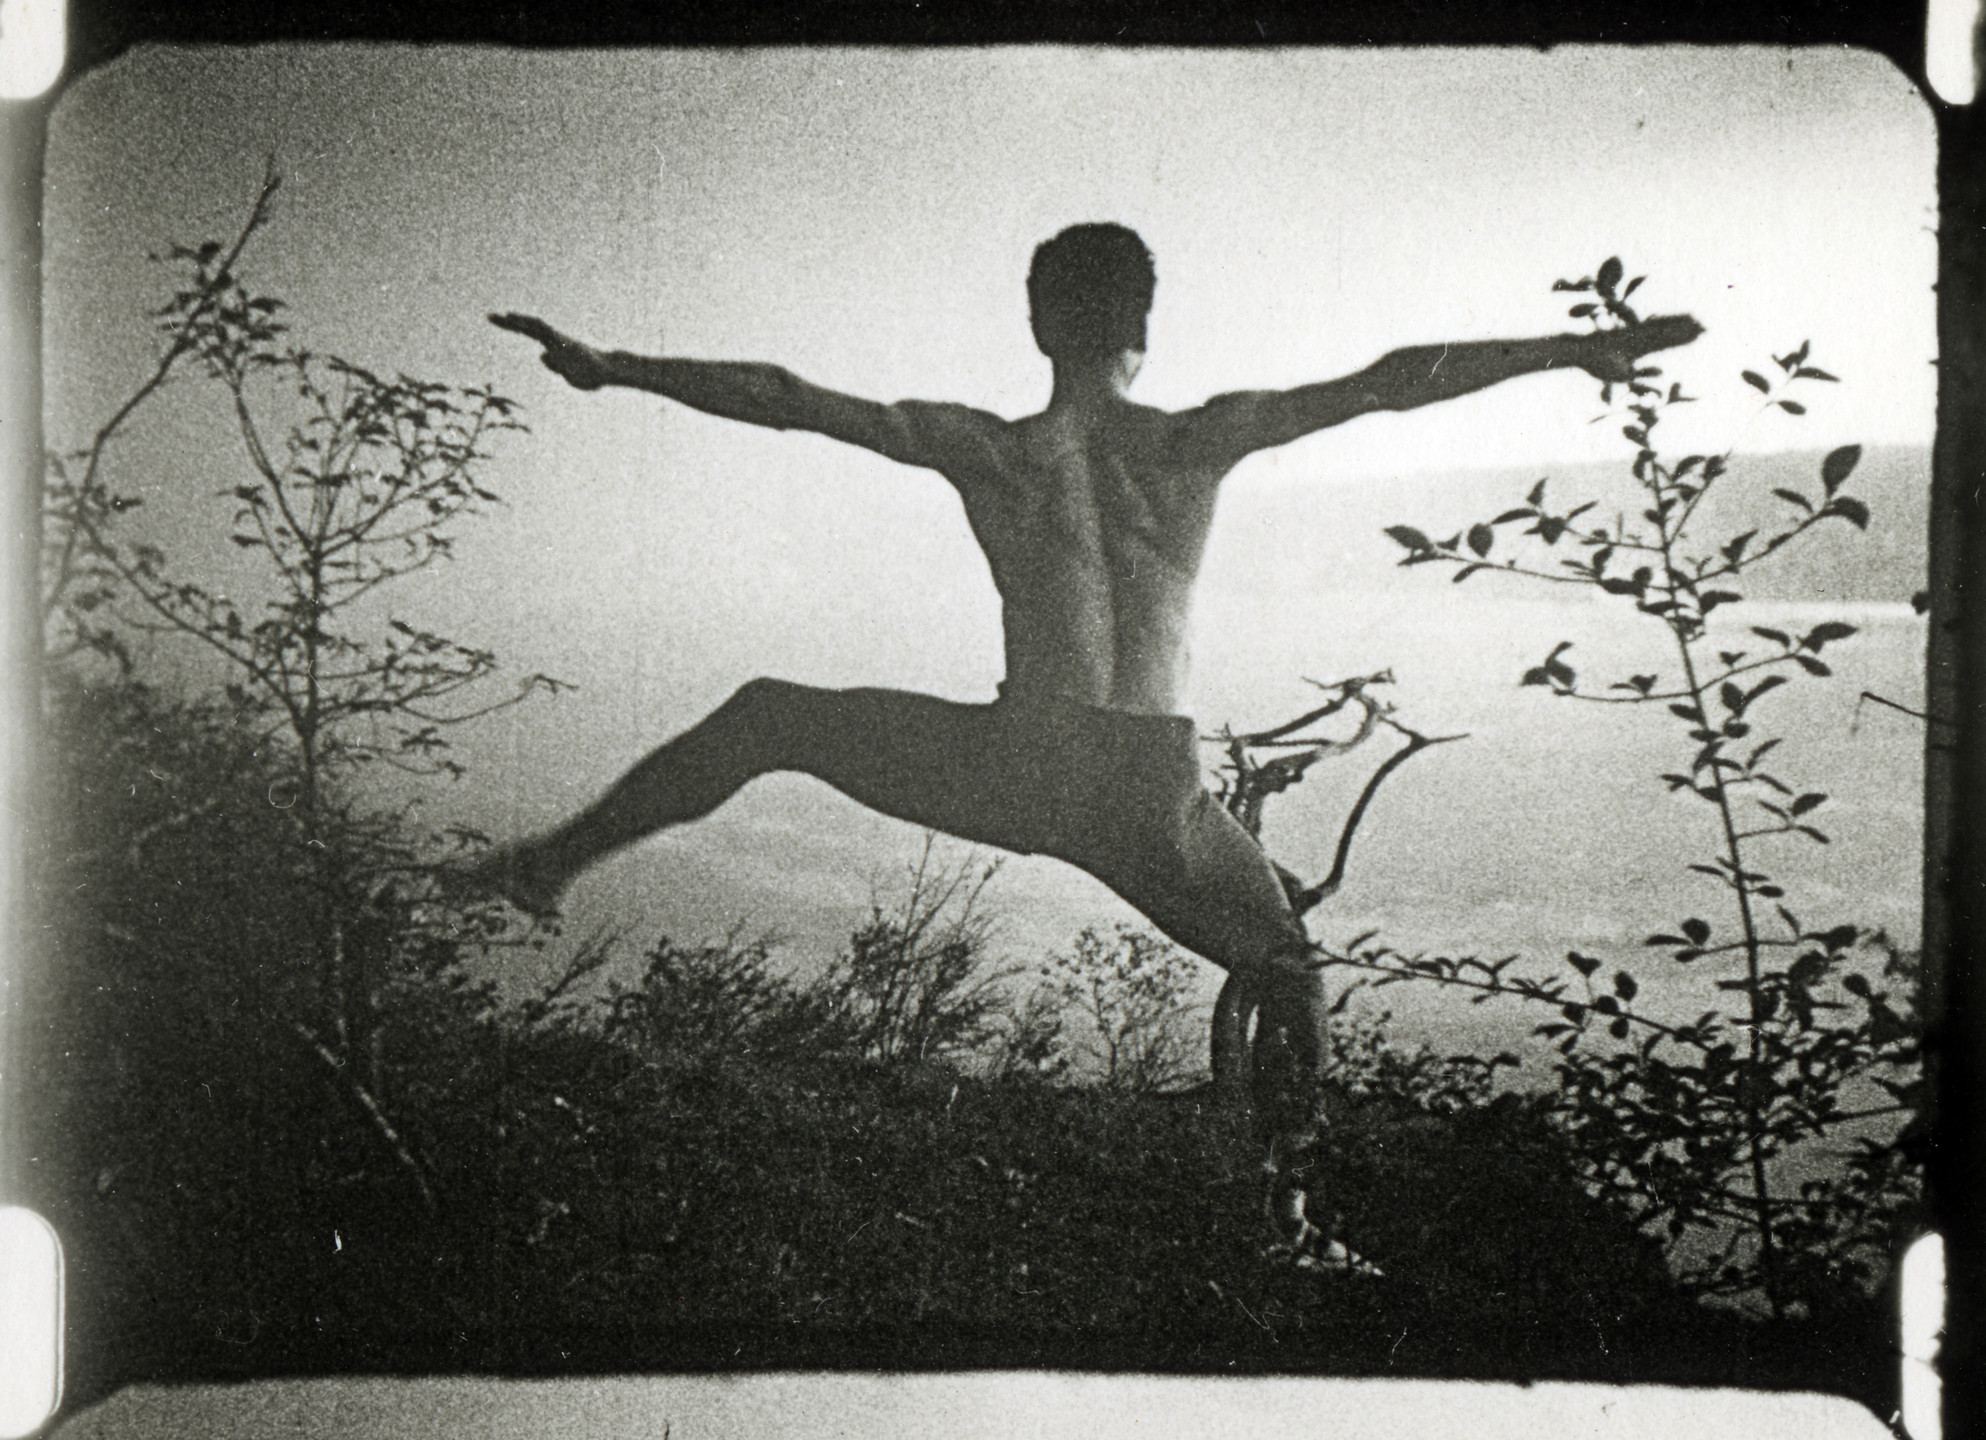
(1093, 516)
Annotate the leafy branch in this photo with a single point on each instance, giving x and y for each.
(349, 483)
(1687, 1116)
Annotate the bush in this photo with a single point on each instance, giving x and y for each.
(704, 1006)
(916, 983)
(1127, 1017)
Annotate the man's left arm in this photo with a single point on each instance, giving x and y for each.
(1424, 374)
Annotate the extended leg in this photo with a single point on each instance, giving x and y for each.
(886, 749)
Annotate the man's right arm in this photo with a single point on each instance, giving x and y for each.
(755, 393)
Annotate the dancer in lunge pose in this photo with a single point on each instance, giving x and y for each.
(1093, 517)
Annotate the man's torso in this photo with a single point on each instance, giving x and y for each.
(1094, 525)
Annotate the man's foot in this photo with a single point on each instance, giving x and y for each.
(1335, 1259)
(1296, 1235)
(1300, 1242)
(518, 875)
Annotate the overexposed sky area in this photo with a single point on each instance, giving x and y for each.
(866, 218)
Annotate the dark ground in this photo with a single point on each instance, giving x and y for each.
(868, 1218)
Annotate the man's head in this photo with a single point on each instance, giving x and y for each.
(1089, 291)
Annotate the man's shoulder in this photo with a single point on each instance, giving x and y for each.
(953, 412)
(1228, 406)
(957, 440)
(1222, 429)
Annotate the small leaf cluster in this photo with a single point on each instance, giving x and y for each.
(1609, 307)
(1792, 366)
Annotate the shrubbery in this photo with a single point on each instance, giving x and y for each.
(285, 1117)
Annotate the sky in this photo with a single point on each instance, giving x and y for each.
(865, 218)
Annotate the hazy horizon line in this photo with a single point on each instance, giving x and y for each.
(1353, 470)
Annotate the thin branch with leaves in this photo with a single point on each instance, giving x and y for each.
(1690, 1118)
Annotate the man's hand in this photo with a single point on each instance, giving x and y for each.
(582, 367)
(1610, 354)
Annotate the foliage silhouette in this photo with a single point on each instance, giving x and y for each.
(916, 982)
(299, 916)
(1689, 1118)
(1125, 1001)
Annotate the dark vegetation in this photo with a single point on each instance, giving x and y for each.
(1810, 1036)
(287, 1123)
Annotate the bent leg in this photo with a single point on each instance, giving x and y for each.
(1213, 890)
(1206, 883)
(1229, 904)
(1138, 819)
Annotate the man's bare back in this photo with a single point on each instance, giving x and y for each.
(1094, 526)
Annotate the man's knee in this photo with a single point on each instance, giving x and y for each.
(774, 713)
(1295, 968)
(763, 694)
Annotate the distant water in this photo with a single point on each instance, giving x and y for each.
(1546, 830)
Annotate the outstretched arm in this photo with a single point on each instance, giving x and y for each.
(1423, 374)
(755, 393)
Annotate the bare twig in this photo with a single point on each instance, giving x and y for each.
(1914, 714)
(372, 1109)
(1245, 796)
(80, 528)
(1328, 886)
(595, 951)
